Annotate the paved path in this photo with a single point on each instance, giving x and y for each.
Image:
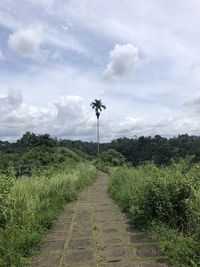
(93, 232)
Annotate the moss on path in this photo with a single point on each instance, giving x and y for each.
(93, 232)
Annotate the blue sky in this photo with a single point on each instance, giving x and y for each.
(142, 58)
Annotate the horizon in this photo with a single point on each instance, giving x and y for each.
(95, 141)
(142, 59)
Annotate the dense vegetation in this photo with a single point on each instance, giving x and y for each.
(160, 190)
(112, 158)
(36, 154)
(165, 201)
(36, 178)
(160, 150)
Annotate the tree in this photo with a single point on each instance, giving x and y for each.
(98, 107)
(28, 139)
(112, 157)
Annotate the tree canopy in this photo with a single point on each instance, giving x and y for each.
(98, 107)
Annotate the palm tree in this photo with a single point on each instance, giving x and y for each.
(98, 107)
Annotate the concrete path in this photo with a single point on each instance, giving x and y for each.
(93, 232)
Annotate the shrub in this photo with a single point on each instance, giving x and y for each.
(112, 158)
(163, 196)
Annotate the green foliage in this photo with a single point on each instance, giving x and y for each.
(163, 198)
(183, 249)
(37, 176)
(137, 150)
(29, 205)
(161, 151)
(6, 183)
(98, 106)
(100, 165)
(112, 158)
(37, 158)
(66, 153)
(31, 140)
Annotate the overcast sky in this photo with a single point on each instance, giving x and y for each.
(142, 58)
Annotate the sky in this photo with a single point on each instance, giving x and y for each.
(141, 58)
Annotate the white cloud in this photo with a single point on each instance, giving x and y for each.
(130, 125)
(38, 22)
(123, 58)
(193, 104)
(1, 55)
(69, 117)
(26, 42)
(168, 127)
(175, 126)
(10, 102)
(75, 37)
(42, 3)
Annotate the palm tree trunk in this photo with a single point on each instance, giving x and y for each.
(98, 137)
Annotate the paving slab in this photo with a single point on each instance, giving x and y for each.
(47, 260)
(80, 243)
(148, 251)
(79, 256)
(120, 264)
(53, 245)
(94, 232)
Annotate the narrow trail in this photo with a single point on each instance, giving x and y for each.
(93, 232)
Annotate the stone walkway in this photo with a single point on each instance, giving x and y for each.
(93, 232)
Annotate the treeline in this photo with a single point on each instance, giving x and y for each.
(28, 140)
(160, 150)
(34, 155)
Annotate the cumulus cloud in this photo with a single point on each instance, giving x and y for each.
(123, 59)
(175, 126)
(130, 125)
(171, 50)
(26, 42)
(66, 117)
(69, 117)
(11, 101)
(168, 127)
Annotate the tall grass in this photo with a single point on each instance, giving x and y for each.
(164, 201)
(29, 205)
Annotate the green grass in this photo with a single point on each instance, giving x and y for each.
(28, 207)
(165, 202)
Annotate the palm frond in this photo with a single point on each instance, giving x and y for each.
(98, 106)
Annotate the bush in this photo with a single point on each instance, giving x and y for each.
(100, 165)
(112, 157)
(6, 183)
(183, 249)
(167, 196)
